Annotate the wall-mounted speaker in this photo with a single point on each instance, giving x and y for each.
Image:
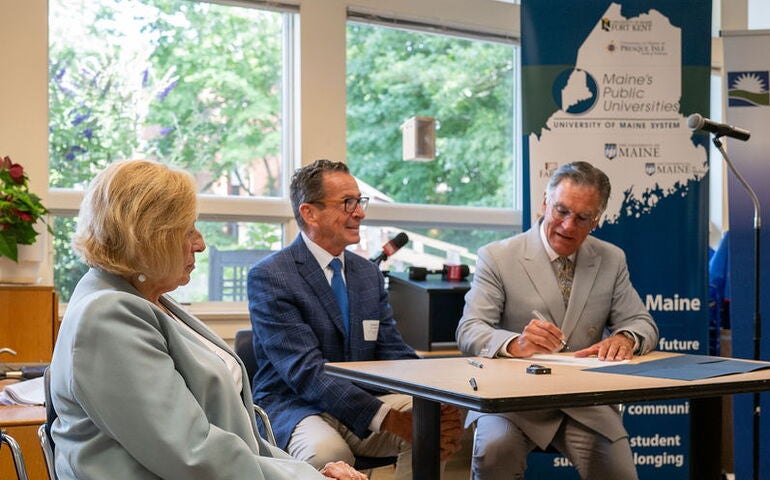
(419, 139)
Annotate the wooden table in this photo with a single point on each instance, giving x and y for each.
(503, 386)
(22, 423)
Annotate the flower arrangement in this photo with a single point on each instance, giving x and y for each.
(20, 209)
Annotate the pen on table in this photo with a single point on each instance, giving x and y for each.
(475, 363)
(473, 383)
(540, 316)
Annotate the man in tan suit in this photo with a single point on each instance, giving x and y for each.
(580, 287)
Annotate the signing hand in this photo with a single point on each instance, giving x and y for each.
(613, 348)
(537, 337)
(341, 471)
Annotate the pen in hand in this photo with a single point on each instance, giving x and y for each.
(540, 316)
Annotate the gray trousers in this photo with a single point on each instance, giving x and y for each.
(500, 451)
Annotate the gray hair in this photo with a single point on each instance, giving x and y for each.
(307, 184)
(582, 173)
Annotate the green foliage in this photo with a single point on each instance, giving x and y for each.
(20, 209)
(188, 83)
(191, 84)
(68, 268)
(466, 85)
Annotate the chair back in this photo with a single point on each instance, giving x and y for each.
(228, 270)
(44, 433)
(244, 348)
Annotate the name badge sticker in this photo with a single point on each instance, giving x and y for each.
(371, 329)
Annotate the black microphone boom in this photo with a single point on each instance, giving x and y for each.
(391, 247)
(698, 122)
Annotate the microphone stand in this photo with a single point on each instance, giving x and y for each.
(757, 316)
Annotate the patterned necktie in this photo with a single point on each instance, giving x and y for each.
(340, 292)
(565, 274)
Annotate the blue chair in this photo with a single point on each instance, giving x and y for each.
(244, 348)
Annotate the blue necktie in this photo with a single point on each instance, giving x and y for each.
(340, 291)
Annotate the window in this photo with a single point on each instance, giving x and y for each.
(193, 84)
(467, 86)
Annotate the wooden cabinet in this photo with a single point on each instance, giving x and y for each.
(28, 322)
(28, 325)
(22, 423)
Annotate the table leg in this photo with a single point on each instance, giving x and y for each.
(706, 438)
(426, 421)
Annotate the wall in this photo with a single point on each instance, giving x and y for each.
(24, 91)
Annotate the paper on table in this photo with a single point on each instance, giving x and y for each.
(572, 360)
(28, 392)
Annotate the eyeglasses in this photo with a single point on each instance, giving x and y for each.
(350, 204)
(583, 220)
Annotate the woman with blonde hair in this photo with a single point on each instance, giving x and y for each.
(142, 389)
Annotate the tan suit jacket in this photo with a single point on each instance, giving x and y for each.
(514, 276)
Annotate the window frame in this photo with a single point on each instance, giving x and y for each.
(65, 202)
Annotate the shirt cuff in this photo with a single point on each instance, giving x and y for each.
(503, 352)
(632, 336)
(378, 418)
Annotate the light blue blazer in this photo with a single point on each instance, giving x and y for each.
(514, 276)
(139, 397)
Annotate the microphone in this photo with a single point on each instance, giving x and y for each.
(390, 248)
(697, 122)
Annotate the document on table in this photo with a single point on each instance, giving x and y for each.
(28, 392)
(569, 359)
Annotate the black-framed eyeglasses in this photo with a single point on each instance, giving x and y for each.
(583, 220)
(350, 204)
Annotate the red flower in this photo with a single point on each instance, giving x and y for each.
(20, 209)
(24, 216)
(17, 173)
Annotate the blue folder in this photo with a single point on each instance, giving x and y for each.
(684, 367)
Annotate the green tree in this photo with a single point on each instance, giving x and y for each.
(189, 83)
(466, 85)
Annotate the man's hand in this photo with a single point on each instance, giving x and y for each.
(451, 431)
(537, 337)
(341, 471)
(398, 423)
(613, 348)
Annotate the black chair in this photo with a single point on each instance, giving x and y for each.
(228, 270)
(245, 350)
(44, 432)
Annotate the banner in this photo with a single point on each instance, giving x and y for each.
(612, 83)
(747, 71)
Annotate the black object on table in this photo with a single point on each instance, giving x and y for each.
(427, 311)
